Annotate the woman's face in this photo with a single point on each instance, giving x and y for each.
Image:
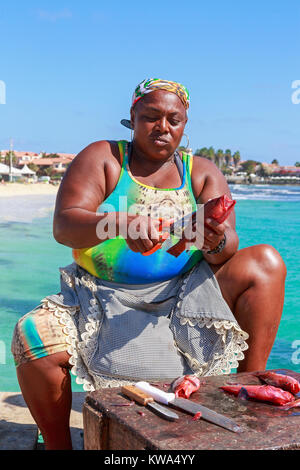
(159, 119)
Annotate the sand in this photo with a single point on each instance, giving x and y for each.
(18, 429)
(23, 189)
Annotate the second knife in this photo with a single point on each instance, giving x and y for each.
(144, 399)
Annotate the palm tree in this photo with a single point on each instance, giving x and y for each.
(11, 154)
(228, 157)
(236, 158)
(219, 158)
(211, 154)
(201, 152)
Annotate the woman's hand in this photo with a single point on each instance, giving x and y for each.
(140, 232)
(204, 234)
(213, 234)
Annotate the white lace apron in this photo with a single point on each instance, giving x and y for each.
(118, 334)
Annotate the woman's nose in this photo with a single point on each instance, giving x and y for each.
(162, 124)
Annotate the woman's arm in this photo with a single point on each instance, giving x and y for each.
(89, 180)
(92, 174)
(208, 183)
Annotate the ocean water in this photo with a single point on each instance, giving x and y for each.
(30, 258)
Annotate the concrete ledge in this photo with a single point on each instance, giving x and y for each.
(18, 430)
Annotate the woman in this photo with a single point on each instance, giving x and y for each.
(122, 316)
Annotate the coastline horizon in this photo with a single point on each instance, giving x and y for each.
(10, 189)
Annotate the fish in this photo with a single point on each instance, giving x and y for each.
(291, 404)
(217, 209)
(265, 393)
(285, 382)
(184, 386)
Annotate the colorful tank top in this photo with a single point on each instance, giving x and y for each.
(113, 260)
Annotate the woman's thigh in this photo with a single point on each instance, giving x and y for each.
(36, 335)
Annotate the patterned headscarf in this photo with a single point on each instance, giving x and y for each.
(152, 84)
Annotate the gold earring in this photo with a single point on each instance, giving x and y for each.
(187, 147)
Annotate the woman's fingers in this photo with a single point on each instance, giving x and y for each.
(143, 231)
(214, 226)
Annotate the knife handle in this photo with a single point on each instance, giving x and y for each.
(162, 238)
(156, 393)
(136, 394)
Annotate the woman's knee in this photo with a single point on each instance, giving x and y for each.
(259, 264)
(268, 261)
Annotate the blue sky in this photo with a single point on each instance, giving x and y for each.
(70, 68)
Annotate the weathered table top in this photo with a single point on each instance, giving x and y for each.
(265, 426)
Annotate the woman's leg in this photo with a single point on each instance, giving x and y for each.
(39, 346)
(46, 387)
(252, 283)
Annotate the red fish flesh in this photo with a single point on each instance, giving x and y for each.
(217, 209)
(291, 404)
(285, 382)
(184, 386)
(197, 416)
(266, 393)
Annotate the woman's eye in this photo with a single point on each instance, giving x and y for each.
(150, 118)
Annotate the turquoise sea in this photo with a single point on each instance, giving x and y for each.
(30, 258)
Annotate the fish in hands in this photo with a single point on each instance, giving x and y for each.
(217, 209)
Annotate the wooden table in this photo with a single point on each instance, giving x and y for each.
(265, 426)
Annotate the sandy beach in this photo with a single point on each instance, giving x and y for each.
(24, 189)
(25, 202)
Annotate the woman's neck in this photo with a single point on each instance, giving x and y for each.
(146, 165)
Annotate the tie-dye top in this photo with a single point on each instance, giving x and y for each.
(113, 260)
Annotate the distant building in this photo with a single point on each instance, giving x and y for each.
(21, 156)
(33, 157)
(59, 165)
(287, 170)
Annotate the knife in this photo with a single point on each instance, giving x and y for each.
(189, 406)
(177, 226)
(147, 400)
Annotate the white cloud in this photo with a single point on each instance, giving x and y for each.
(54, 15)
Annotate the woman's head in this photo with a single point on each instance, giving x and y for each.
(151, 84)
(158, 117)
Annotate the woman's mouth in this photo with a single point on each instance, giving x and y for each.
(159, 142)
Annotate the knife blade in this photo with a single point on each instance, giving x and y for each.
(174, 227)
(189, 406)
(147, 400)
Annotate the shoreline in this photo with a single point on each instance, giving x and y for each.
(24, 189)
(265, 183)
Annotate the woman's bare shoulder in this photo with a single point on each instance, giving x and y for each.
(98, 153)
(91, 175)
